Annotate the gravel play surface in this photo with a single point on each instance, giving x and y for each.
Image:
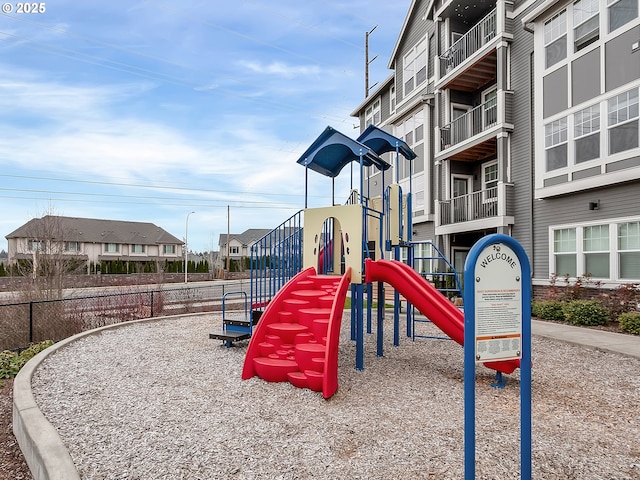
(160, 400)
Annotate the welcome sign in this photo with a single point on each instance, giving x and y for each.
(498, 304)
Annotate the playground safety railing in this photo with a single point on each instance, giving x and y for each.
(275, 258)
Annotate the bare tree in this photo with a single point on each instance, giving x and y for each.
(50, 254)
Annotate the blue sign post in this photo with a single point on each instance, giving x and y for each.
(497, 327)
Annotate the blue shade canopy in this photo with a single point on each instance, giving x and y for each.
(332, 150)
(382, 142)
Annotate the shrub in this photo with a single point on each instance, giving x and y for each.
(630, 322)
(548, 310)
(12, 362)
(585, 312)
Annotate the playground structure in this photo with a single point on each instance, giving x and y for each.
(301, 273)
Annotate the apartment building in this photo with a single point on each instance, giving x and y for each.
(524, 116)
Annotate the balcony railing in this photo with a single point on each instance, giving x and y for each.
(475, 121)
(472, 41)
(483, 204)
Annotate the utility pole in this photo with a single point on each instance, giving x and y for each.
(367, 62)
(186, 247)
(228, 235)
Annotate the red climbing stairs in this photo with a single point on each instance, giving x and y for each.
(297, 337)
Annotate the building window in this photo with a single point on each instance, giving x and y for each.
(564, 252)
(372, 114)
(111, 248)
(586, 23)
(555, 144)
(392, 99)
(587, 134)
(169, 249)
(621, 12)
(490, 181)
(414, 67)
(35, 245)
(71, 246)
(412, 132)
(555, 39)
(490, 108)
(234, 250)
(596, 251)
(629, 250)
(623, 121)
(137, 248)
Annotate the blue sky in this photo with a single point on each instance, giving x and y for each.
(146, 110)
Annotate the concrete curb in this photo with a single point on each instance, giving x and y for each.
(42, 447)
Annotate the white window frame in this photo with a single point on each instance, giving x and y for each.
(614, 250)
(635, 250)
(137, 249)
(169, 249)
(629, 111)
(392, 99)
(554, 29)
(108, 249)
(372, 113)
(556, 133)
(412, 63)
(35, 245)
(581, 17)
(586, 252)
(611, 3)
(486, 197)
(72, 247)
(583, 128)
(490, 92)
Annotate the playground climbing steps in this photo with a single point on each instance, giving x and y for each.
(298, 334)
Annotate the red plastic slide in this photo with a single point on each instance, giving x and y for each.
(429, 301)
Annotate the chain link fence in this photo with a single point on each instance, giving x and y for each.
(22, 323)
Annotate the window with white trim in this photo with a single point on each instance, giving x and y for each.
(629, 251)
(71, 246)
(586, 23)
(490, 181)
(586, 134)
(169, 249)
(622, 119)
(555, 39)
(372, 114)
(564, 252)
(392, 99)
(609, 251)
(234, 250)
(595, 246)
(137, 248)
(35, 245)
(621, 12)
(414, 67)
(111, 248)
(412, 132)
(555, 144)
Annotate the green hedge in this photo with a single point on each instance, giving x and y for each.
(548, 310)
(12, 362)
(630, 322)
(585, 312)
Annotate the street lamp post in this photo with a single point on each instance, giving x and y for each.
(186, 248)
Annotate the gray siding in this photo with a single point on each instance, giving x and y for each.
(615, 202)
(522, 161)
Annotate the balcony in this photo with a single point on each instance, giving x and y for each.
(471, 62)
(472, 136)
(484, 209)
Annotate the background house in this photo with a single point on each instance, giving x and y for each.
(95, 242)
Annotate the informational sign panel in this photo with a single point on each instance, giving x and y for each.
(498, 304)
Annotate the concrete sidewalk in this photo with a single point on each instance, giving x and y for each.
(588, 337)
